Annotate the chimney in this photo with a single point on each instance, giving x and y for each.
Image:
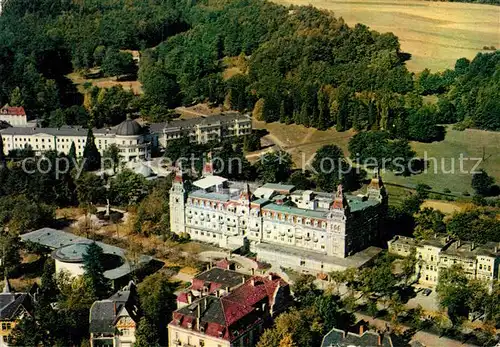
(380, 338)
(496, 249)
(459, 243)
(189, 297)
(270, 276)
(243, 280)
(361, 329)
(252, 281)
(253, 271)
(472, 246)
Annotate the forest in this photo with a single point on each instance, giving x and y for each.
(297, 65)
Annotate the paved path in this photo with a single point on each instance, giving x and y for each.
(427, 339)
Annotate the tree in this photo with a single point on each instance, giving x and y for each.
(72, 153)
(116, 63)
(16, 97)
(2, 154)
(298, 327)
(27, 333)
(91, 155)
(453, 292)
(160, 87)
(112, 157)
(428, 222)
(482, 183)
(146, 334)
(300, 180)
(10, 247)
(331, 169)
(127, 188)
(157, 297)
(258, 110)
(94, 271)
(90, 189)
(274, 167)
(304, 290)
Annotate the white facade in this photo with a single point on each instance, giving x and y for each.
(480, 262)
(132, 147)
(204, 129)
(73, 269)
(15, 116)
(320, 226)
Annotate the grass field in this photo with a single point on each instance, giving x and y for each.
(435, 33)
(302, 143)
(472, 144)
(105, 82)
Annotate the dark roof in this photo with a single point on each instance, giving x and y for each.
(335, 338)
(11, 303)
(62, 131)
(228, 316)
(4, 124)
(226, 278)
(191, 122)
(104, 313)
(128, 127)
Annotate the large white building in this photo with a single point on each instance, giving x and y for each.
(203, 129)
(479, 261)
(309, 231)
(132, 140)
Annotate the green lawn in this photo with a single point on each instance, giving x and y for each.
(470, 143)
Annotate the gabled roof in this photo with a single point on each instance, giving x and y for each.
(12, 110)
(105, 313)
(228, 316)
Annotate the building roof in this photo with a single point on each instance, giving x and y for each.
(12, 110)
(104, 313)
(227, 317)
(72, 253)
(55, 239)
(320, 214)
(338, 338)
(222, 197)
(468, 249)
(263, 192)
(128, 127)
(222, 277)
(201, 121)
(209, 181)
(62, 131)
(280, 188)
(11, 303)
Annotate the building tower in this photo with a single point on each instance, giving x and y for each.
(338, 225)
(208, 167)
(376, 189)
(177, 203)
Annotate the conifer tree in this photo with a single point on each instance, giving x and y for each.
(91, 155)
(2, 154)
(94, 271)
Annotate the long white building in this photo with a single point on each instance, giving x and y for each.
(132, 140)
(203, 129)
(306, 230)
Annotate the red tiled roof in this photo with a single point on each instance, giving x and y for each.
(13, 111)
(236, 310)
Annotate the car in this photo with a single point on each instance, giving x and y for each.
(427, 292)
